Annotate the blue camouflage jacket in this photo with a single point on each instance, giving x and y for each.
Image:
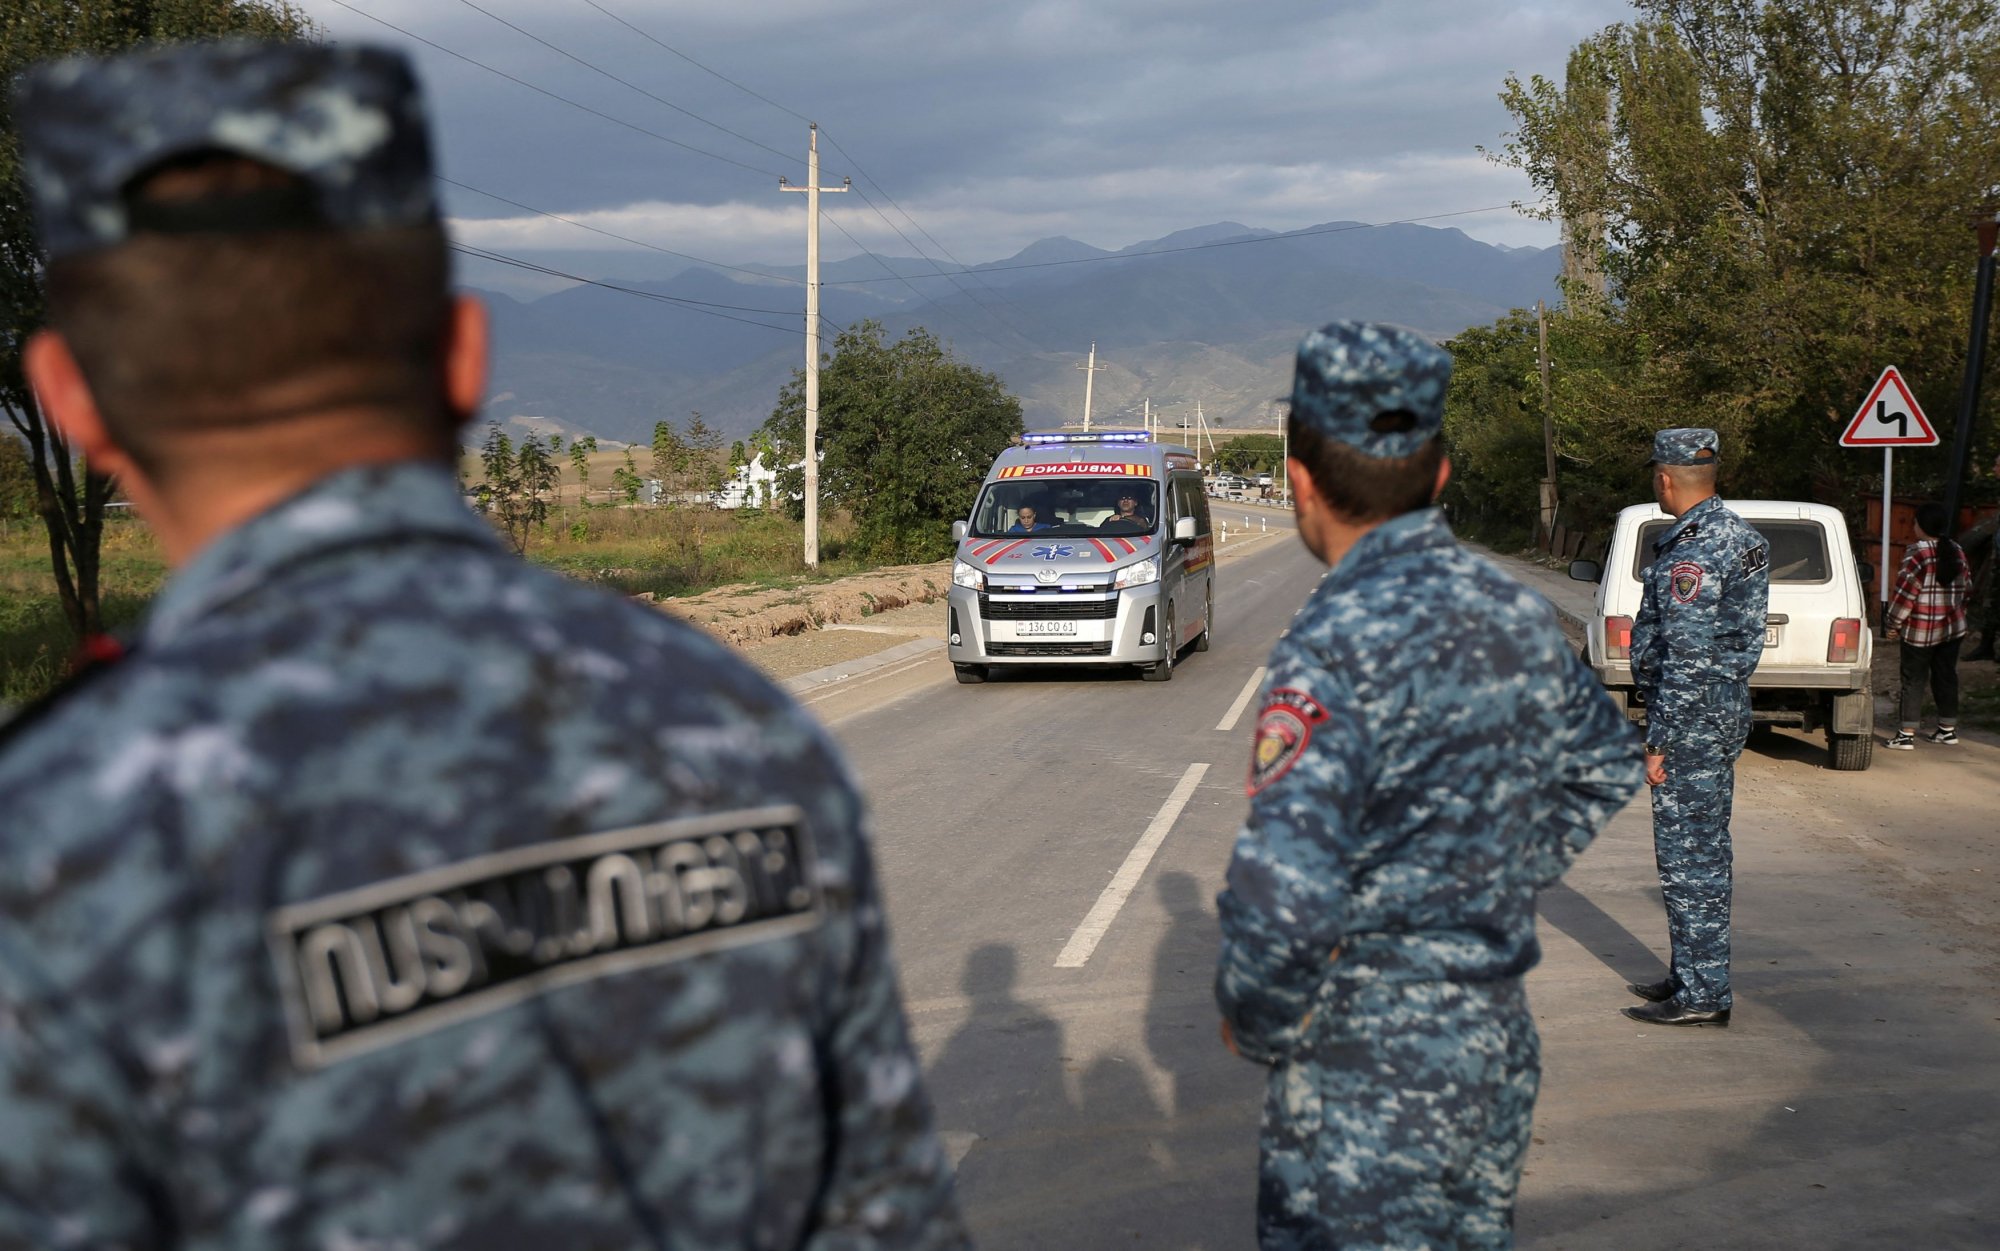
(395, 893)
(1700, 628)
(1430, 753)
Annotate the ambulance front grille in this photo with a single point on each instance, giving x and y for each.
(1047, 608)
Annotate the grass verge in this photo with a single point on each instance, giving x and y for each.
(663, 552)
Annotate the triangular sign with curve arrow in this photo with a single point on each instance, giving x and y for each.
(1889, 417)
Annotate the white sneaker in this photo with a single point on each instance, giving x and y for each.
(1901, 740)
(1943, 734)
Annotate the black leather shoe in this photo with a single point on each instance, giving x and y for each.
(1671, 1013)
(1654, 992)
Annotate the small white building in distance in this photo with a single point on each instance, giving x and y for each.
(752, 486)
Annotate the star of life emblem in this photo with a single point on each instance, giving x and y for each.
(1055, 551)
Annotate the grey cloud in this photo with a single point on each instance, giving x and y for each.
(942, 101)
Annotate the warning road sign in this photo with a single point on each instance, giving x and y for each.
(1889, 417)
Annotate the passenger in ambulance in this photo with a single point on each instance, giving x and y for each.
(1027, 524)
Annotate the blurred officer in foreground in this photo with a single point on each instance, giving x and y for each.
(1699, 633)
(1429, 754)
(392, 892)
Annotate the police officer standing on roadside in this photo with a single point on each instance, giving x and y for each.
(391, 891)
(1698, 635)
(1430, 752)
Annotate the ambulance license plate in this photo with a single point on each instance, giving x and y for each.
(1043, 629)
(1770, 636)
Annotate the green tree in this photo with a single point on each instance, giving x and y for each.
(579, 460)
(520, 478)
(671, 459)
(625, 478)
(906, 435)
(1251, 453)
(1776, 196)
(704, 472)
(69, 497)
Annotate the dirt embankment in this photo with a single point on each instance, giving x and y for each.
(749, 615)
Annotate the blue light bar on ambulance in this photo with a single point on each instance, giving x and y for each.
(1045, 438)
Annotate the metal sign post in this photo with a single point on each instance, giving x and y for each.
(1888, 496)
(1889, 418)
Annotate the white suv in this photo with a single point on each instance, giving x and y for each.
(1817, 647)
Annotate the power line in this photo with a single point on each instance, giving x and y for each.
(627, 83)
(654, 134)
(704, 307)
(612, 234)
(754, 94)
(1202, 247)
(940, 270)
(697, 64)
(896, 277)
(871, 180)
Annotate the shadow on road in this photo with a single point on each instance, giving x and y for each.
(1599, 933)
(1001, 1076)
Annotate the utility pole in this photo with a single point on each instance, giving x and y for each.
(1988, 226)
(1089, 376)
(812, 190)
(1548, 426)
(1147, 421)
(1285, 464)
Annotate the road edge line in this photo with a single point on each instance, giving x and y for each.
(1095, 924)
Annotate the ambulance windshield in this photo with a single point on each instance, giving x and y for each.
(1067, 507)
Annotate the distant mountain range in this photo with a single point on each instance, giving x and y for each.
(1210, 314)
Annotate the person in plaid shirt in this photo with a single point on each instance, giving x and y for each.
(1927, 613)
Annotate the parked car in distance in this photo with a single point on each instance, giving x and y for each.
(1814, 674)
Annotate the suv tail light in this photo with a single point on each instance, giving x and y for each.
(1843, 642)
(1618, 638)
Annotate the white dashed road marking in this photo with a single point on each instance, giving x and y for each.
(1228, 721)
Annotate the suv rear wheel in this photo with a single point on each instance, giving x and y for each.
(1850, 753)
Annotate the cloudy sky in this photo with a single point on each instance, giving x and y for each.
(990, 125)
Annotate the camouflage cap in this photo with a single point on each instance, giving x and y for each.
(1688, 445)
(347, 120)
(1350, 373)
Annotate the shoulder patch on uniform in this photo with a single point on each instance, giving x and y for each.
(1685, 581)
(386, 962)
(1756, 558)
(1283, 730)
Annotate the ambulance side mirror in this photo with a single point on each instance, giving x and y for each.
(1585, 571)
(957, 531)
(1184, 530)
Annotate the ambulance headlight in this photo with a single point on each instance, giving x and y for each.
(1138, 574)
(963, 574)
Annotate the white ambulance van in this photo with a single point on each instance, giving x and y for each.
(1084, 549)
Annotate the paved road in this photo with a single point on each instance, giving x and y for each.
(1051, 846)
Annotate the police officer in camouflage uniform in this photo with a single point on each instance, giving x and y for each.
(1699, 633)
(1430, 752)
(391, 892)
